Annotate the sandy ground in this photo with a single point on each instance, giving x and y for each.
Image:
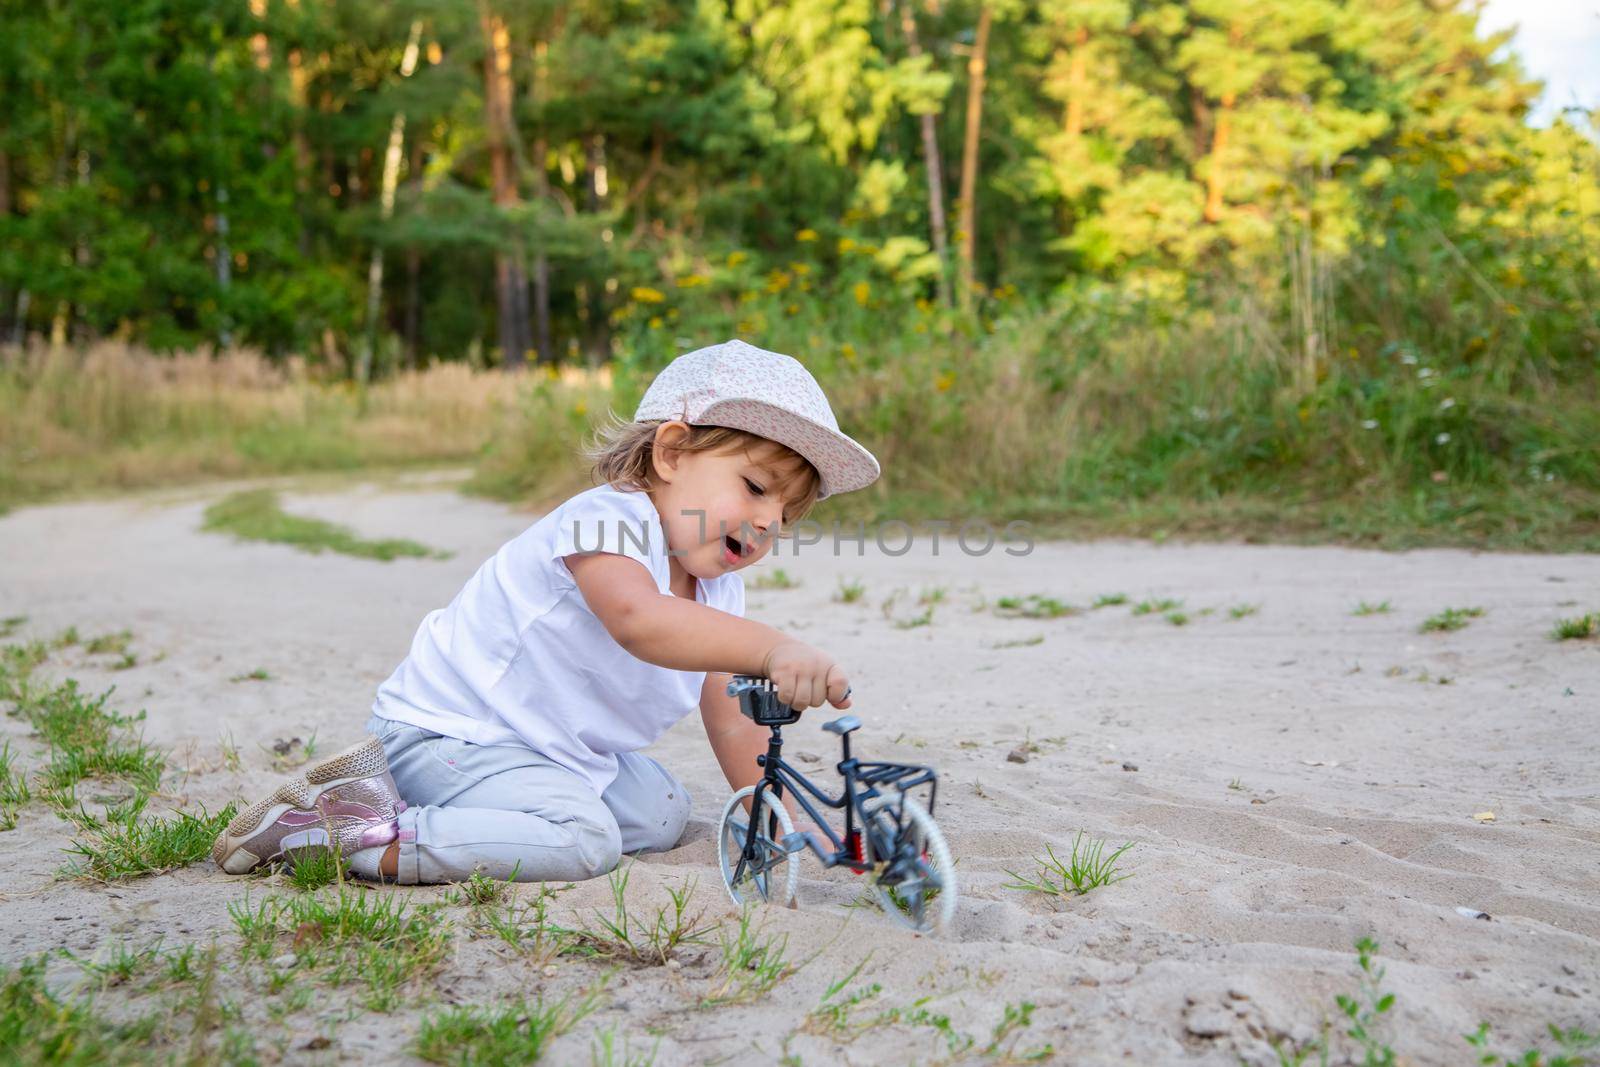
(1291, 781)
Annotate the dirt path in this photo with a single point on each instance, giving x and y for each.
(1292, 780)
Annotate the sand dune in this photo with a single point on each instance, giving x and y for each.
(1291, 780)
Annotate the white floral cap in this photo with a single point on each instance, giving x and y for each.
(743, 387)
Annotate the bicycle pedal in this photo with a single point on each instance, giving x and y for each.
(791, 843)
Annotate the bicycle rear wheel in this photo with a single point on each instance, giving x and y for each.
(772, 875)
(915, 881)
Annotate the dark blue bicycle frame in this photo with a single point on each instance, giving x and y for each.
(861, 783)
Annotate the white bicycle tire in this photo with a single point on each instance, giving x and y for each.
(726, 860)
(938, 856)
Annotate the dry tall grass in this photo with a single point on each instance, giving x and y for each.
(116, 417)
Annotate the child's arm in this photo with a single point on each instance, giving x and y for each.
(670, 631)
(737, 742)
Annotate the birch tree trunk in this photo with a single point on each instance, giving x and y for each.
(1077, 82)
(541, 191)
(1215, 176)
(967, 208)
(391, 178)
(931, 163)
(510, 274)
(411, 329)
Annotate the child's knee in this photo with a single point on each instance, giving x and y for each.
(675, 811)
(599, 848)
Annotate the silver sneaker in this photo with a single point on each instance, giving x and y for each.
(346, 802)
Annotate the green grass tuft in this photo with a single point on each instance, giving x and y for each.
(109, 644)
(1243, 611)
(1109, 600)
(849, 592)
(777, 578)
(516, 1033)
(310, 869)
(624, 935)
(348, 935)
(127, 844)
(14, 792)
(1449, 619)
(752, 965)
(1088, 867)
(1370, 607)
(257, 515)
(1034, 606)
(39, 1027)
(1578, 629)
(1157, 606)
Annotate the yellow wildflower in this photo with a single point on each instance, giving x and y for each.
(778, 281)
(580, 409)
(689, 281)
(655, 322)
(643, 294)
(807, 234)
(801, 269)
(736, 258)
(848, 351)
(792, 309)
(846, 244)
(924, 305)
(945, 381)
(863, 291)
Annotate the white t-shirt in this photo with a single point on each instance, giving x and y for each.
(518, 658)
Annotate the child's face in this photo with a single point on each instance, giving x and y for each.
(720, 510)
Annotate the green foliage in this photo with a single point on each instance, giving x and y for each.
(1573, 1048)
(1364, 1011)
(180, 176)
(256, 515)
(1283, 267)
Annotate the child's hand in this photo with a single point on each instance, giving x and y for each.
(806, 677)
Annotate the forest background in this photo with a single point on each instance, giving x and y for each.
(1297, 269)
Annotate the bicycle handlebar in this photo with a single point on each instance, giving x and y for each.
(759, 702)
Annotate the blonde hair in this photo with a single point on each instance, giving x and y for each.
(622, 453)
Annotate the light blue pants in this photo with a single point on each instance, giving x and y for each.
(509, 812)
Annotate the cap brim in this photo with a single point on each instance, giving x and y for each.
(843, 464)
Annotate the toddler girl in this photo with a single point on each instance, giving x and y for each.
(508, 741)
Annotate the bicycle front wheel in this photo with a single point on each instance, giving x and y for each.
(915, 881)
(771, 875)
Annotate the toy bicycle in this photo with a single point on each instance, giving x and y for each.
(889, 834)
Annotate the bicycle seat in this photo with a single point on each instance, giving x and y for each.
(844, 724)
